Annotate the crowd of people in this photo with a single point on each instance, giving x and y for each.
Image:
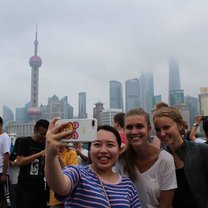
(125, 165)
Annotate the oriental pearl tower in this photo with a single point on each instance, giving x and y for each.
(35, 62)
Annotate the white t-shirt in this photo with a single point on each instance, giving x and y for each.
(161, 176)
(5, 143)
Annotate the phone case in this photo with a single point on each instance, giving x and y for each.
(83, 130)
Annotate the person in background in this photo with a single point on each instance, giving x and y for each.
(31, 187)
(191, 159)
(154, 140)
(151, 169)
(118, 124)
(94, 185)
(193, 134)
(82, 153)
(5, 144)
(13, 174)
(67, 156)
(187, 135)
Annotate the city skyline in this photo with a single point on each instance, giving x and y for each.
(132, 96)
(107, 106)
(85, 44)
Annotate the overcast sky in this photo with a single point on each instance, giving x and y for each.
(86, 43)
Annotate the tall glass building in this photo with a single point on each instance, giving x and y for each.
(82, 105)
(176, 97)
(132, 94)
(147, 91)
(57, 108)
(8, 114)
(193, 105)
(8, 117)
(174, 75)
(116, 95)
(97, 112)
(176, 94)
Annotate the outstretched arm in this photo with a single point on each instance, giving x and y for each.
(55, 178)
(192, 135)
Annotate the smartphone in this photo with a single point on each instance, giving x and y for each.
(204, 118)
(83, 130)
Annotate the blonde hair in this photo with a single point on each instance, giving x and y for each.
(138, 112)
(174, 114)
(160, 105)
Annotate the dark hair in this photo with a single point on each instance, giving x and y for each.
(205, 127)
(41, 123)
(1, 120)
(112, 130)
(106, 128)
(119, 117)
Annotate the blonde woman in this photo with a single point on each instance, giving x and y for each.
(191, 159)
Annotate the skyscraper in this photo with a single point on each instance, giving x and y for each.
(176, 97)
(184, 111)
(174, 75)
(157, 99)
(147, 91)
(116, 95)
(97, 112)
(57, 108)
(82, 105)
(176, 94)
(132, 94)
(35, 63)
(8, 115)
(193, 105)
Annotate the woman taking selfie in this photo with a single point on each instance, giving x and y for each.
(94, 185)
(191, 159)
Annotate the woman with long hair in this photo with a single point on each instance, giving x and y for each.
(191, 159)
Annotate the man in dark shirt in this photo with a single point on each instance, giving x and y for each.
(30, 158)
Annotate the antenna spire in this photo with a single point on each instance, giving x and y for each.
(36, 41)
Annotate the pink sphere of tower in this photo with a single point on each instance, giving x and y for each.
(35, 61)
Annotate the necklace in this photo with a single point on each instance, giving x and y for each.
(102, 185)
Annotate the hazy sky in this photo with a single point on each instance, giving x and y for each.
(86, 43)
